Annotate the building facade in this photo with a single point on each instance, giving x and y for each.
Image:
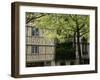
(40, 51)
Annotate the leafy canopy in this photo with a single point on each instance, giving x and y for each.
(60, 26)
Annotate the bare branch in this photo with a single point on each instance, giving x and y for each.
(33, 18)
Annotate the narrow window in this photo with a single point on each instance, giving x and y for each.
(35, 49)
(35, 31)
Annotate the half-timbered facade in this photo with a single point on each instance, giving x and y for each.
(39, 50)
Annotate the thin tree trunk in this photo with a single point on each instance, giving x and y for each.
(75, 41)
(78, 41)
(78, 44)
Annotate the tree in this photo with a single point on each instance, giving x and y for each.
(81, 29)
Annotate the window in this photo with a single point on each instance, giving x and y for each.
(35, 49)
(35, 31)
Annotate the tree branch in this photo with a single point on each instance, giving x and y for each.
(33, 18)
(82, 26)
(84, 33)
(72, 18)
(74, 30)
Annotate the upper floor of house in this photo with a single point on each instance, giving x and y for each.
(35, 36)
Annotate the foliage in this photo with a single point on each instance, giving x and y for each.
(60, 26)
(65, 51)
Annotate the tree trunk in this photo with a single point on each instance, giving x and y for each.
(78, 44)
(74, 40)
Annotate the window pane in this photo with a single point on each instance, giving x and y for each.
(37, 31)
(35, 49)
(33, 31)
